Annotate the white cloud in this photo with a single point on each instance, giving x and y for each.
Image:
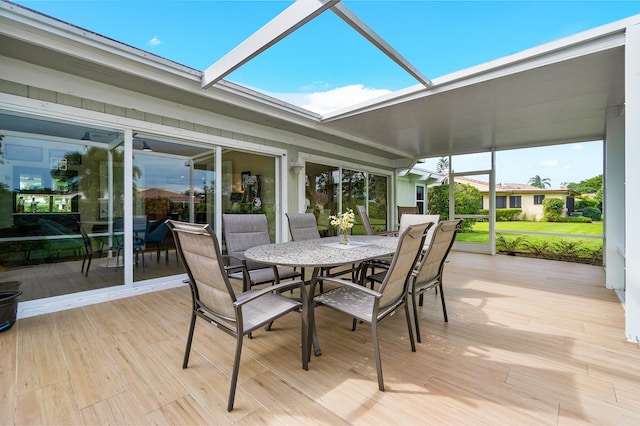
(155, 41)
(341, 97)
(551, 163)
(322, 102)
(577, 147)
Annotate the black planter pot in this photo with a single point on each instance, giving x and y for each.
(8, 308)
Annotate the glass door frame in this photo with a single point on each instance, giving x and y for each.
(303, 158)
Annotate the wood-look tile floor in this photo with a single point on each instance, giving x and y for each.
(528, 342)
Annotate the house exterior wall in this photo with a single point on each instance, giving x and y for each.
(36, 91)
(530, 210)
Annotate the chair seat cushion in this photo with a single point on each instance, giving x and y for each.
(265, 275)
(266, 308)
(348, 300)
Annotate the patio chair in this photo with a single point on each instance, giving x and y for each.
(215, 301)
(370, 306)
(408, 210)
(411, 219)
(430, 268)
(303, 226)
(362, 211)
(241, 232)
(140, 231)
(91, 248)
(157, 234)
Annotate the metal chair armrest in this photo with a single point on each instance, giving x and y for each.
(347, 283)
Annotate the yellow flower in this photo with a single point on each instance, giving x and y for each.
(343, 221)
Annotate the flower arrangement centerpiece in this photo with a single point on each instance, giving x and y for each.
(343, 222)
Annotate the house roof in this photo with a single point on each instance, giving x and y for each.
(512, 188)
(560, 92)
(158, 193)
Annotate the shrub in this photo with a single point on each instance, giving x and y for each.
(540, 248)
(582, 203)
(592, 212)
(510, 245)
(468, 200)
(568, 249)
(594, 255)
(552, 208)
(579, 219)
(505, 215)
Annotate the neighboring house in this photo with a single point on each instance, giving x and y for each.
(411, 186)
(521, 196)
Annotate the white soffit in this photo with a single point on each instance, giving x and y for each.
(289, 20)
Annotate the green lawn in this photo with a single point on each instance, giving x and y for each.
(480, 233)
(594, 228)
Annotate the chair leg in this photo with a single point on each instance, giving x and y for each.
(234, 375)
(409, 327)
(84, 259)
(118, 259)
(416, 320)
(187, 350)
(444, 308)
(376, 351)
(86, 274)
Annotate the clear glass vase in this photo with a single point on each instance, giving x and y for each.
(346, 233)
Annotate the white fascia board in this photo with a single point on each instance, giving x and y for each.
(289, 20)
(42, 30)
(357, 24)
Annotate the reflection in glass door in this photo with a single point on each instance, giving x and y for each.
(321, 194)
(171, 180)
(58, 183)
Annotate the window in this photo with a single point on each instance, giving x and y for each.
(537, 199)
(420, 198)
(501, 202)
(515, 201)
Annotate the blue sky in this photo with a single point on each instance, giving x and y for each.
(327, 65)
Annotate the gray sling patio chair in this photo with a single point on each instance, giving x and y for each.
(370, 306)
(241, 232)
(303, 226)
(407, 210)
(91, 248)
(215, 300)
(368, 228)
(430, 268)
(428, 271)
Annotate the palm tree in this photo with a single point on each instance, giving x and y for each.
(539, 182)
(443, 164)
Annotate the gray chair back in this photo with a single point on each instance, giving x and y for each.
(303, 226)
(431, 265)
(199, 250)
(411, 219)
(243, 231)
(407, 210)
(396, 280)
(362, 210)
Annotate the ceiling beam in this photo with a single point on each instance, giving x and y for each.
(289, 20)
(357, 24)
